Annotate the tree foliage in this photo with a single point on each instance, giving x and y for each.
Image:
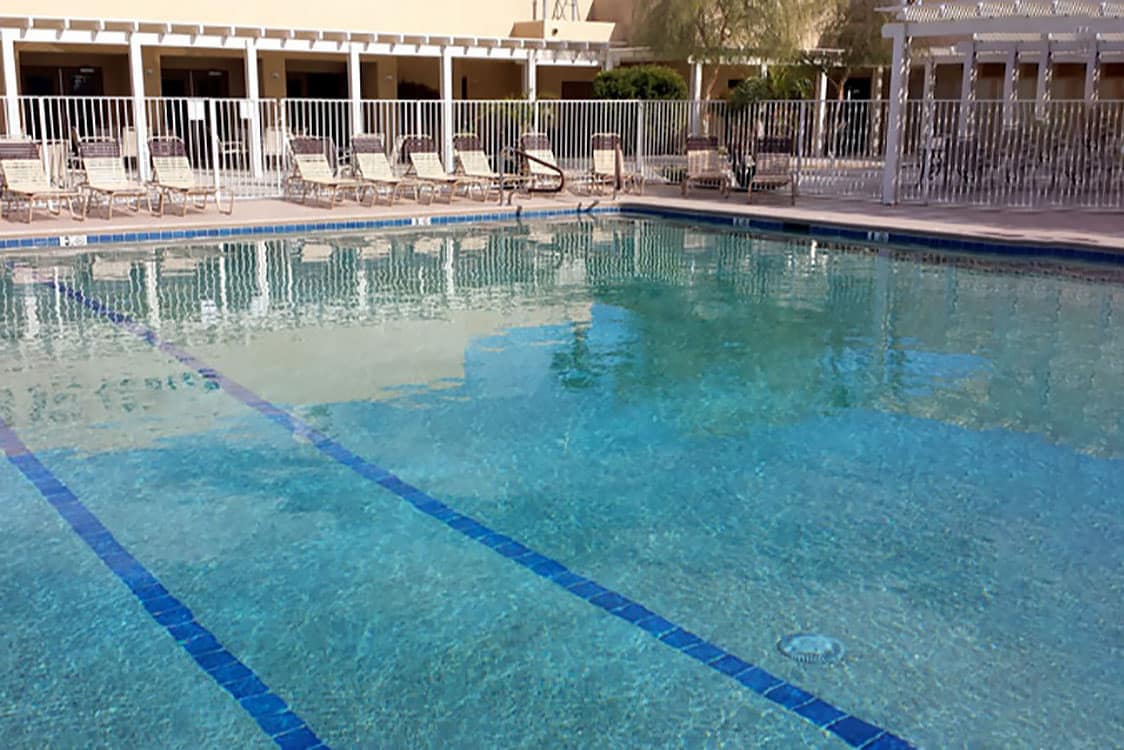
(854, 30)
(717, 30)
(640, 82)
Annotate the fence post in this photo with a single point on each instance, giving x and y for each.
(213, 124)
(899, 78)
(696, 96)
(641, 134)
(803, 112)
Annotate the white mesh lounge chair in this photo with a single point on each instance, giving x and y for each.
(106, 177)
(772, 167)
(23, 180)
(429, 170)
(542, 166)
(608, 166)
(173, 178)
(473, 162)
(312, 175)
(372, 168)
(706, 166)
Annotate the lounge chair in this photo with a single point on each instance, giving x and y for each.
(706, 166)
(608, 165)
(23, 180)
(772, 167)
(106, 177)
(429, 170)
(473, 162)
(372, 168)
(542, 166)
(312, 174)
(173, 177)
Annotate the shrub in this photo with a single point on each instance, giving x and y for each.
(779, 85)
(639, 82)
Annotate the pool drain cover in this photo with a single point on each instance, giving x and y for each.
(811, 648)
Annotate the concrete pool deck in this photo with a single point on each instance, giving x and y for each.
(1100, 231)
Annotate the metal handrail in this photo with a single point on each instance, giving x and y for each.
(519, 152)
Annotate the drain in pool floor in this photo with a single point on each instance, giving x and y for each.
(811, 648)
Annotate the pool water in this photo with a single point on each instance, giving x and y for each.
(919, 455)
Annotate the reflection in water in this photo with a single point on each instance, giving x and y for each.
(822, 326)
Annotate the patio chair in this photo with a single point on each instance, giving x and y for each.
(312, 175)
(24, 180)
(373, 169)
(472, 161)
(173, 177)
(706, 165)
(422, 153)
(106, 177)
(772, 167)
(275, 145)
(608, 166)
(542, 166)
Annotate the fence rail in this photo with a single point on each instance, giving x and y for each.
(1021, 154)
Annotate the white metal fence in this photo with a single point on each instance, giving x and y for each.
(1014, 154)
(1024, 154)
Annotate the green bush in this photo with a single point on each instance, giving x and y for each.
(639, 82)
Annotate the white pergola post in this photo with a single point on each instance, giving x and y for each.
(530, 77)
(696, 96)
(1093, 75)
(821, 114)
(11, 87)
(1010, 85)
(447, 107)
(899, 89)
(876, 108)
(355, 89)
(928, 115)
(140, 115)
(1042, 83)
(967, 90)
(253, 94)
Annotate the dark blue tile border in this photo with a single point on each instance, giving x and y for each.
(165, 235)
(946, 242)
(850, 729)
(270, 712)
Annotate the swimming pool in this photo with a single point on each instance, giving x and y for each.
(410, 490)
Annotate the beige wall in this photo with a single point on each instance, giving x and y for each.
(486, 18)
(488, 79)
(113, 61)
(551, 77)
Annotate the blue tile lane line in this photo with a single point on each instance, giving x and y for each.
(270, 712)
(852, 730)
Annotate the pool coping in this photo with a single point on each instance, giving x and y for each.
(938, 236)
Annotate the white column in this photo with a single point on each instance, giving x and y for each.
(355, 90)
(140, 114)
(531, 77)
(876, 123)
(1010, 84)
(967, 90)
(1042, 83)
(928, 107)
(447, 107)
(899, 89)
(11, 87)
(1092, 74)
(696, 96)
(253, 94)
(821, 114)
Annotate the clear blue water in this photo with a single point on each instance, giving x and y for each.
(920, 456)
